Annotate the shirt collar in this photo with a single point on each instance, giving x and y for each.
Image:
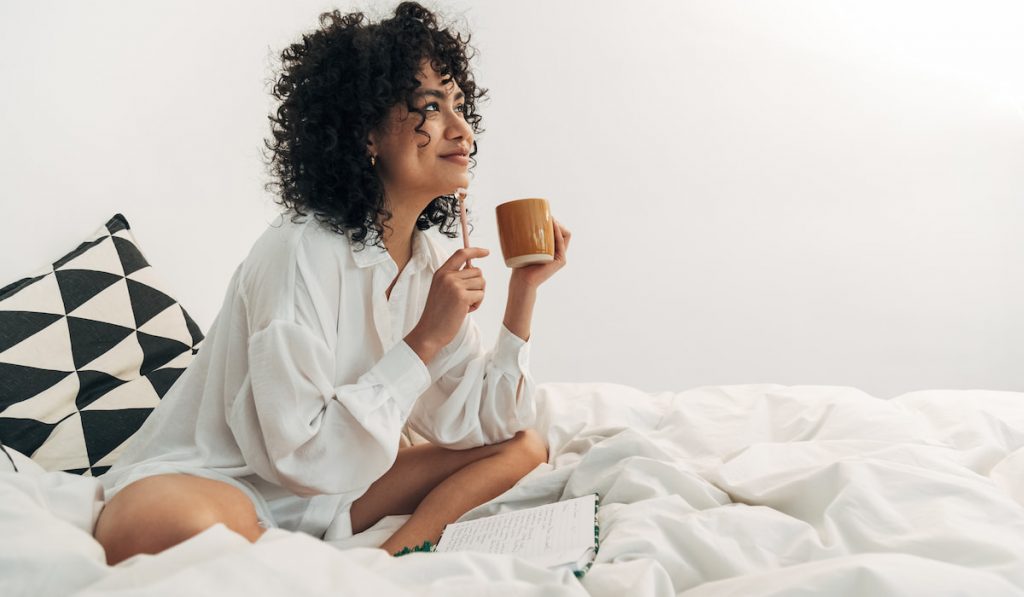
(420, 248)
(371, 255)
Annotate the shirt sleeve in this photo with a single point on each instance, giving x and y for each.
(299, 430)
(477, 397)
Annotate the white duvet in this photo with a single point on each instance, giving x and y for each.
(734, 490)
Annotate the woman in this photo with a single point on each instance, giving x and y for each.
(345, 323)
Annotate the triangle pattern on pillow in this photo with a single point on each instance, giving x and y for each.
(193, 328)
(100, 257)
(25, 435)
(108, 429)
(65, 448)
(16, 326)
(158, 351)
(85, 246)
(48, 406)
(163, 379)
(90, 339)
(169, 323)
(123, 361)
(104, 463)
(113, 305)
(88, 347)
(146, 301)
(138, 393)
(93, 386)
(130, 256)
(179, 362)
(36, 295)
(78, 286)
(21, 383)
(48, 348)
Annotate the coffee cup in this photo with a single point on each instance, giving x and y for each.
(526, 232)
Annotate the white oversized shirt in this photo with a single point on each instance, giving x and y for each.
(304, 382)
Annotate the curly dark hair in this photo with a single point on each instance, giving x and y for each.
(336, 86)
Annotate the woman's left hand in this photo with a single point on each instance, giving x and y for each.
(538, 273)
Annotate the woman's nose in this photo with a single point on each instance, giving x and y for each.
(458, 127)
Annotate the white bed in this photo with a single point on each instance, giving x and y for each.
(733, 490)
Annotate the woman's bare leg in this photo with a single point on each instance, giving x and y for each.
(437, 485)
(158, 512)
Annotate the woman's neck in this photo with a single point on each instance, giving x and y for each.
(398, 237)
(405, 211)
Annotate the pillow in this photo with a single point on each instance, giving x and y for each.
(88, 346)
(13, 461)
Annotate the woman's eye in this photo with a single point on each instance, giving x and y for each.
(437, 107)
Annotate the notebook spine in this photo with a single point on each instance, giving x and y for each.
(597, 536)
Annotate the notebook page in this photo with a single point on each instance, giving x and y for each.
(550, 535)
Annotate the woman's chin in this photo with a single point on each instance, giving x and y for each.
(455, 183)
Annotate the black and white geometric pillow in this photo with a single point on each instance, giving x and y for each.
(88, 346)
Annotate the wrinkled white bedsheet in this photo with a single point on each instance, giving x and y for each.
(734, 490)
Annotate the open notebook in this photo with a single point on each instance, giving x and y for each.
(559, 535)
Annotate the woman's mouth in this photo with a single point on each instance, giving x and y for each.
(457, 158)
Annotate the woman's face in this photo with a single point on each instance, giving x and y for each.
(409, 165)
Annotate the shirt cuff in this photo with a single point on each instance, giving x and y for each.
(404, 375)
(511, 353)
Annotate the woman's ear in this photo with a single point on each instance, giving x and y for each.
(371, 143)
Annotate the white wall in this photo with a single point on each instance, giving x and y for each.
(799, 192)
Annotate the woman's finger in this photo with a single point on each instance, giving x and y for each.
(469, 272)
(559, 240)
(474, 283)
(460, 257)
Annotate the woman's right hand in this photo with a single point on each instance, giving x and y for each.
(455, 291)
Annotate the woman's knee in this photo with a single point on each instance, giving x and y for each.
(529, 448)
(159, 512)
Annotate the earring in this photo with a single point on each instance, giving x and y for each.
(373, 161)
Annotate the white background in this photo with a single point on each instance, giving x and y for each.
(798, 192)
